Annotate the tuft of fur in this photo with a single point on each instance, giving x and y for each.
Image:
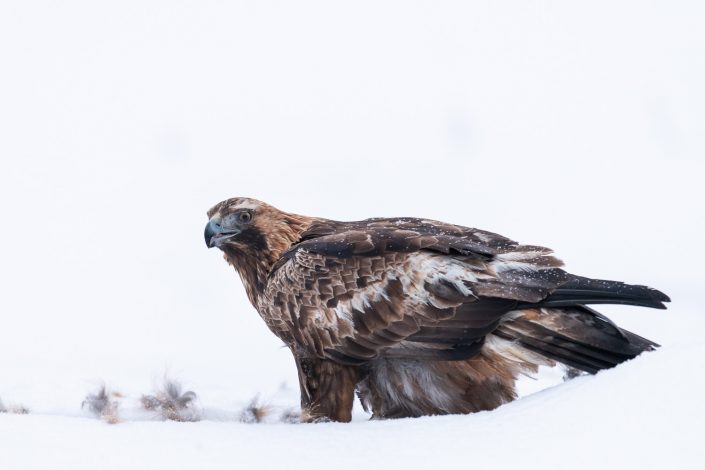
(14, 409)
(172, 403)
(18, 410)
(255, 412)
(290, 416)
(104, 404)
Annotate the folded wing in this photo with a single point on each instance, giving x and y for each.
(357, 291)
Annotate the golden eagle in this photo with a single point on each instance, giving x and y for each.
(419, 317)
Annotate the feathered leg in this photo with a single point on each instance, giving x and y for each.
(401, 388)
(327, 389)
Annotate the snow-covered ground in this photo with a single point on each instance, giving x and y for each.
(638, 416)
(579, 126)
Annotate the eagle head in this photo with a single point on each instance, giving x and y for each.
(251, 228)
(236, 223)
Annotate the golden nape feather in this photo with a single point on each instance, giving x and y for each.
(418, 317)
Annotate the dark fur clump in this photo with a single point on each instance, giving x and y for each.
(258, 412)
(255, 412)
(14, 409)
(104, 404)
(19, 410)
(290, 416)
(173, 404)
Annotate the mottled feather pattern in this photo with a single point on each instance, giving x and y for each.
(367, 292)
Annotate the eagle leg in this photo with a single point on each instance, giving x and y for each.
(327, 389)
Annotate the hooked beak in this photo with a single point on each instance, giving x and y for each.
(216, 235)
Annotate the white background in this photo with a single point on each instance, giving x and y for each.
(575, 125)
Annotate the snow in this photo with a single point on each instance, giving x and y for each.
(628, 417)
(569, 125)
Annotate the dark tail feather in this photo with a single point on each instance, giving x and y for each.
(576, 336)
(581, 290)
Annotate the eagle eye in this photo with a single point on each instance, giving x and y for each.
(244, 216)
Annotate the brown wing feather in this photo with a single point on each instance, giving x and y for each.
(402, 288)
